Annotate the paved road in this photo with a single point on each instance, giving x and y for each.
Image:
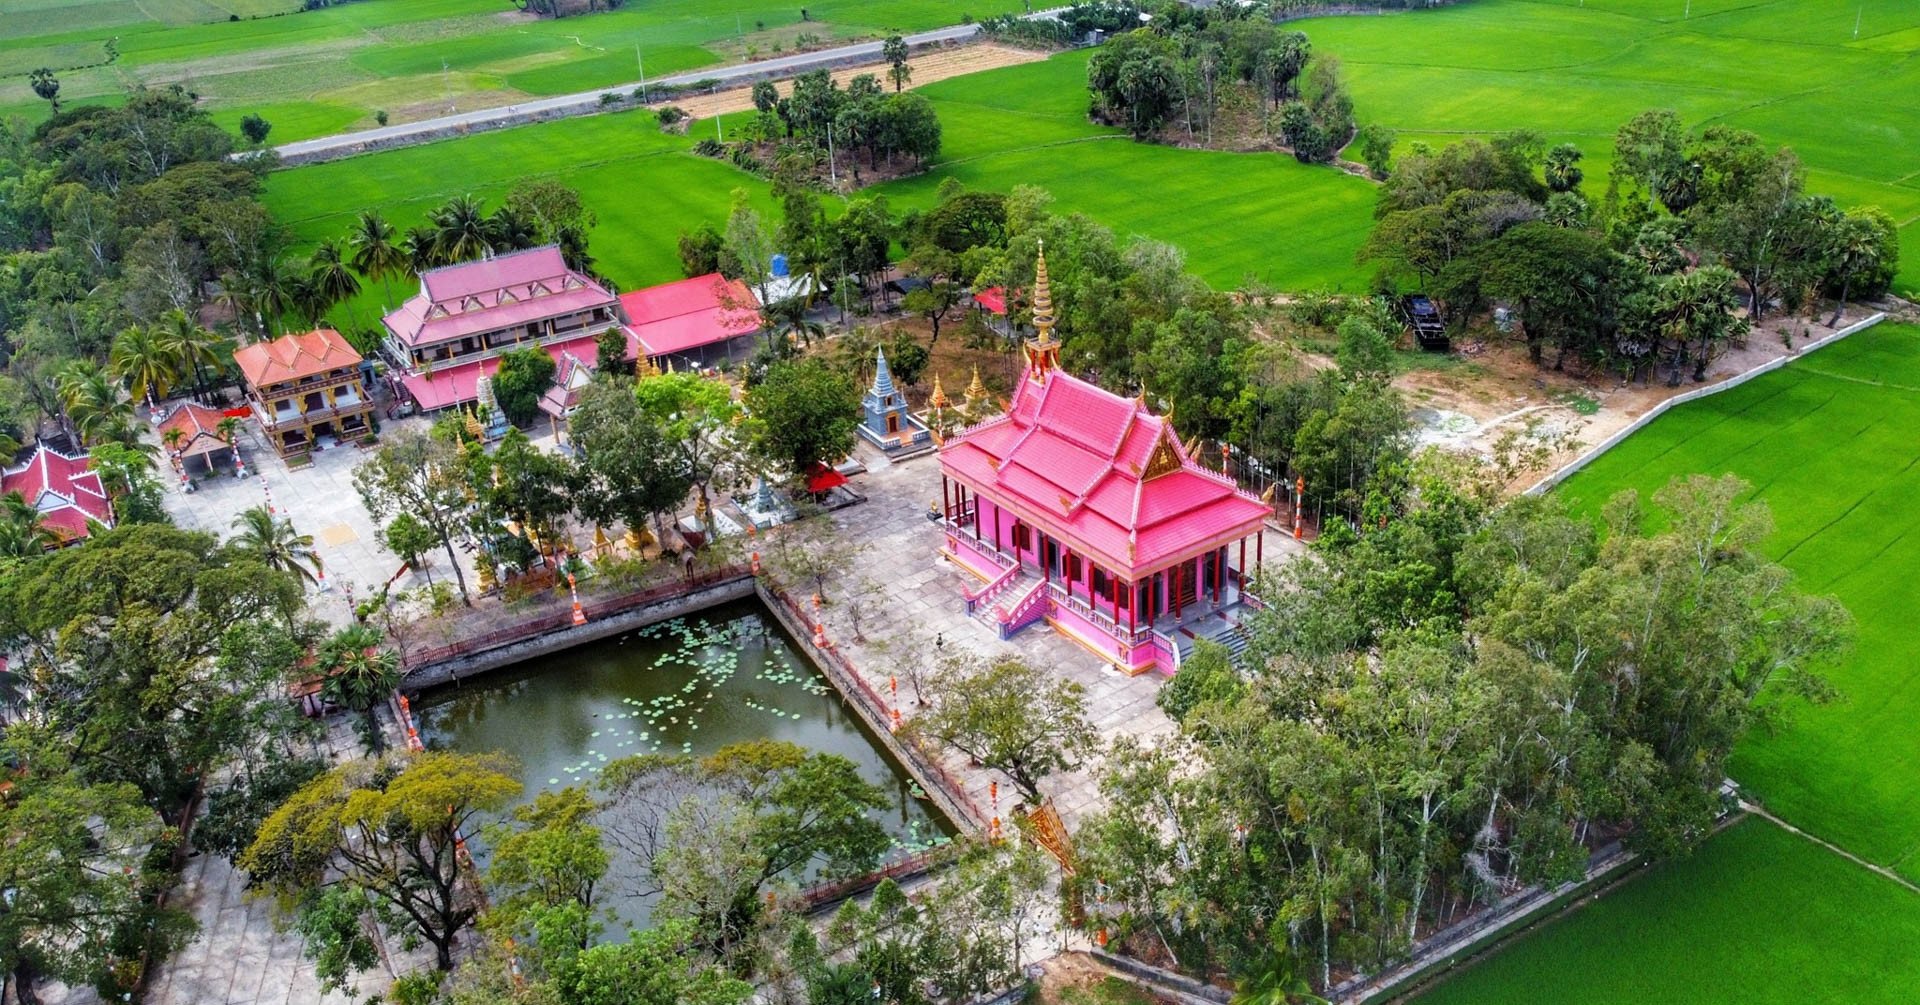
(784, 66)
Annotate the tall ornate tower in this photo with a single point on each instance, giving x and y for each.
(885, 421)
(1043, 353)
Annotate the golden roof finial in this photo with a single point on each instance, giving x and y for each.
(938, 399)
(644, 368)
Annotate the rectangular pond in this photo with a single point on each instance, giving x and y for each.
(688, 686)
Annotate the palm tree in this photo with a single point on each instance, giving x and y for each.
(511, 230)
(360, 675)
(332, 279)
(139, 356)
(229, 430)
(192, 347)
(276, 544)
(1856, 251)
(419, 248)
(1275, 983)
(461, 230)
(93, 402)
(23, 534)
(375, 253)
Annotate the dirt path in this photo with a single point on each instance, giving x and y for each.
(928, 67)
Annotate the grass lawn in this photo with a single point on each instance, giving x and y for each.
(644, 186)
(1791, 71)
(1829, 444)
(1756, 916)
(317, 72)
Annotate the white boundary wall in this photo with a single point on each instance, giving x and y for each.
(1694, 395)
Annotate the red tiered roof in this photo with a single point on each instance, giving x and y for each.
(458, 384)
(517, 288)
(64, 488)
(1101, 473)
(675, 317)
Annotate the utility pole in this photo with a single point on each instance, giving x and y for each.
(642, 63)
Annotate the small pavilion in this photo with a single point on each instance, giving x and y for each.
(199, 435)
(1082, 508)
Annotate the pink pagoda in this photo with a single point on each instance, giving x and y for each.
(1083, 509)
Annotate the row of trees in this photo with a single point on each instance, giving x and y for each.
(1690, 227)
(1466, 698)
(642, 448)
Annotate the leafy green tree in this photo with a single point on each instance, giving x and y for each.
(331, 922)
(699, 420)
(658, 966)
(272, 541)
(23, 529)
(1206, 675)
(47, 86)
(1376, 151)
(410, 538)
(1651, 149)
(75, 895)
(802, 413)
(389, 827)
(908, 359)
(547, 866)
(255, 128)
(1011, 717)
(610, 352)
(524, 375)
(627, 466)
(422, 475)
(523, 483)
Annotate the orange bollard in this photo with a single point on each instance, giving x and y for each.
(993, 793)
(756, 563)
(896, 720)
(1100, 938)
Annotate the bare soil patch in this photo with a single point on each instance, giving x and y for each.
(928, 67)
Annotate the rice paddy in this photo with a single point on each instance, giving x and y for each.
(689, 686)
(311, 73)
(1757, 916)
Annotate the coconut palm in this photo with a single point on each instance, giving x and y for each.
(461, 230)
(419, 248)
(23, 534)
(93, 402)
(193, 348)
(276, 544)
(333, 280)
(512, 230)
(360, 675)
(140, 357)
(1855, 251)
(376, 255)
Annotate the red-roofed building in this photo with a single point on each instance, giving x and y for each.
(683, 318)
(1082, 508)
(443, 338)
(199, 434)
(64, 488)
(306, 386)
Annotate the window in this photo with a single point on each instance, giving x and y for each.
(1022, 537)
(1073, 568)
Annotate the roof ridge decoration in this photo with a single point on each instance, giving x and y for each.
(1165, 458)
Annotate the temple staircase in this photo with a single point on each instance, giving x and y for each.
(1026, 604)
(1226, 632)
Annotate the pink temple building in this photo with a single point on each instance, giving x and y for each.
(1081, 508)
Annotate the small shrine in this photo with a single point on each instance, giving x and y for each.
(886, 423)
(491, 420)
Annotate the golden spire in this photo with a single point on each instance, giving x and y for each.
(644, 368)
(976, 391)
(1043, 353)
(938, 399)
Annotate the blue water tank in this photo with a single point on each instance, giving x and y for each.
(780, 265)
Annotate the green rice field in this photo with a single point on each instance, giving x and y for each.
(313, 73)
(1758, 916)
(1829, 444)
(1793, 71)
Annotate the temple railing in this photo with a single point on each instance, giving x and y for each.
(960, 530)
(991, 591)
(1029, 608)
(1099, 619)
(1167, 642)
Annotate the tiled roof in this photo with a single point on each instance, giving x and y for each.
(63, 487)
(1101, 473)
(200, 425)
(678, 316)
(291, 357)
(519, 288)
(458, 384)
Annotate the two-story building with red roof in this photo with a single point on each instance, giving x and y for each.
(445, 338)
(1081, 508)
(305, 388)
(64, 488)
